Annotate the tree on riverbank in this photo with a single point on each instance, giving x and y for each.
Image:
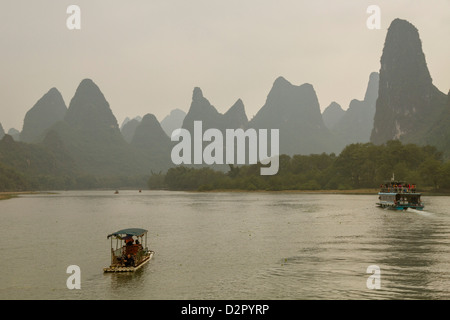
(11, 180)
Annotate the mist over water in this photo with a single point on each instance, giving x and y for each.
(225, 246)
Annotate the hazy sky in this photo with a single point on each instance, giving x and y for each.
(148, 55)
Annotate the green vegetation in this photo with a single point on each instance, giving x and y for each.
(359, 166)
(47, 166)
(11, 180)
(38, 167)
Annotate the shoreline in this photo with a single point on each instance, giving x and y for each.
(15, 194)
(356, 191)
(7, 196)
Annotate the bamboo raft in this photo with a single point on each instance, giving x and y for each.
(113, 269)
(128, 243)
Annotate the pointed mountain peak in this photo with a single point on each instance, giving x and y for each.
(55, 95)
(403, 56)
(334, 106)
(53, 91)
(281, 82)
(407, 102)
(200, 104)
(332, 114)
(238, 106)
(295, 112)
(48, 110)
(235, 116)
(89, 109)
(402, 24)
(149, 118)
(237, 109)
(198, 94)
(88, 88)
(289, 102)
(283, 89)
(88, 92)
(150, 134)
(87, 83)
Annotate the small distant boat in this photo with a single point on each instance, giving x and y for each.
(129, 254)
(399, 195)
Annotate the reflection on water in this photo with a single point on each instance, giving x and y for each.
(225, 246)
(416, 254)
(127, 282)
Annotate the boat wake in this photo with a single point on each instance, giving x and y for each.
(421, 212)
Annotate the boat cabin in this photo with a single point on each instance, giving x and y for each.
(399, 195)
(129, 250)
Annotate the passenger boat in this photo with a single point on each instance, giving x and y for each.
(399, 195)
(129, 251)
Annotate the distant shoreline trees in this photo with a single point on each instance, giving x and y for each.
(358, 166)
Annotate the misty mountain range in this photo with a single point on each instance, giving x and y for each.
(84, 137)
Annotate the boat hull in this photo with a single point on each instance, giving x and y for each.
(115, 269)
(399, 207)
(400, 200)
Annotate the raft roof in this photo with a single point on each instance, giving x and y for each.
(129, 232)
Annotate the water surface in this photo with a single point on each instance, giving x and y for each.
(225, 246)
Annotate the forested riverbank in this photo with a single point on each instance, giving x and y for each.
(358, 166)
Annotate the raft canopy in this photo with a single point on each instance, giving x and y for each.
(128, 232)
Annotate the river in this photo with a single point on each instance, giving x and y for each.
(225, 246)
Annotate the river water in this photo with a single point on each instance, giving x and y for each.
(225, 246)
